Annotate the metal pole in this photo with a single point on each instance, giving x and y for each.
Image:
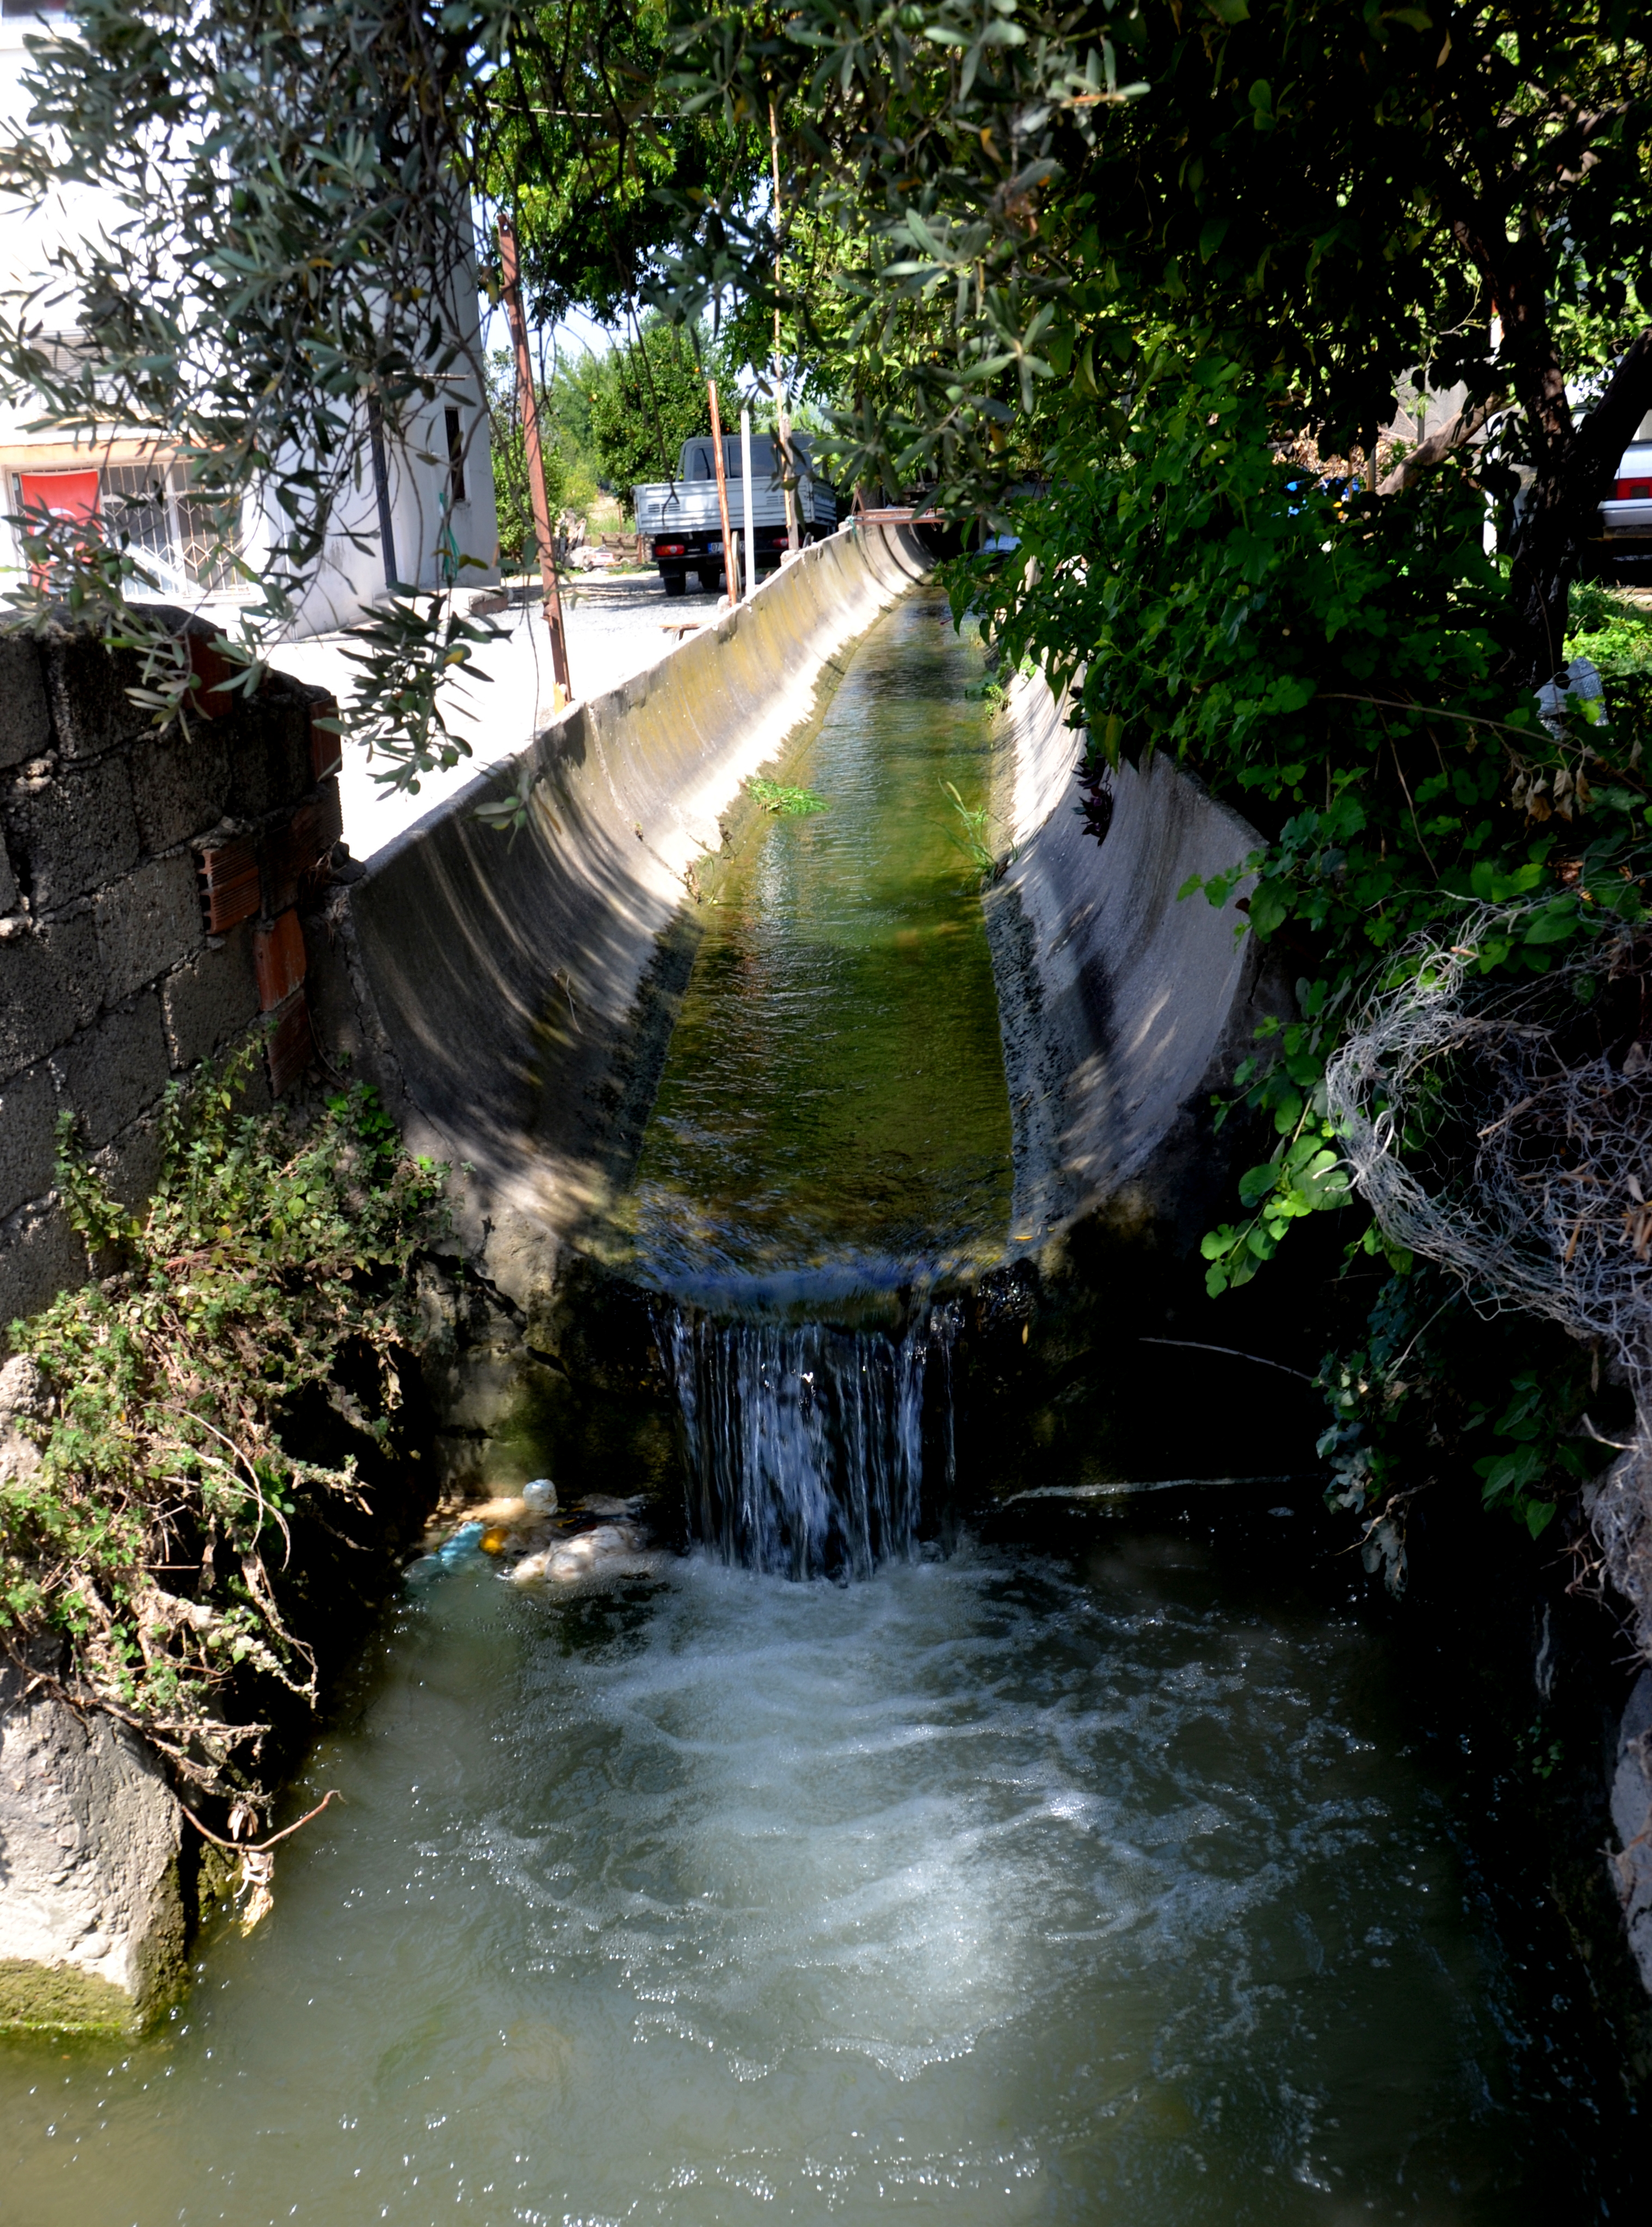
(730, 546)
(382, 489)
(782, 423)
(529, 408)
(745, 474)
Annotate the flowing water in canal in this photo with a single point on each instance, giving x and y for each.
(832, 1122)
(1105, 1884)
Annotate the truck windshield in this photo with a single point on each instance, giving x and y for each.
(697, 462)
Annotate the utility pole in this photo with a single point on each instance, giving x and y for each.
(745, 481)
(730, 546)
(529, 407)
(782, 423)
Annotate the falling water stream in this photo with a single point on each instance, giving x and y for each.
(1106, 1883)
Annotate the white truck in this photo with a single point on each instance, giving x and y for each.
(684, 527)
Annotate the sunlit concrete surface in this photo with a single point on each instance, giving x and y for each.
(616, 628)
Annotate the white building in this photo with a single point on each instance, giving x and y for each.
(435, 505)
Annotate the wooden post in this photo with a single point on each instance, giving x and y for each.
(529, 408)
(730, 546)
(782, 423)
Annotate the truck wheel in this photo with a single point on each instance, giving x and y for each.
(711, 578)
(676, 582)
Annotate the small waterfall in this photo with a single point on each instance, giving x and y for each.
(807, 1445)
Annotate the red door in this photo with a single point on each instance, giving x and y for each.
(72, 495)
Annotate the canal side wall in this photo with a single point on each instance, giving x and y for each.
(1123, 1004)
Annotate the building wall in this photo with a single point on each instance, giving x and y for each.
(149, 888)
(352, 573)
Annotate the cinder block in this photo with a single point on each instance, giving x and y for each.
(115, 1071)
(28, 1136)
(148, 923)
(85, 691)
(131, 1163)
(211, 999)
(325, 742)
(179, 783)
(269, 749)
(278, 957)
(39, 1256)
(69, 831)
(25, 723)
(49, 989)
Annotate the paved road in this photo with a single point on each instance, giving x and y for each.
(615, 628)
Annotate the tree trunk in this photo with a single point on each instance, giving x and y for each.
(1560, 514)
(1575, 466)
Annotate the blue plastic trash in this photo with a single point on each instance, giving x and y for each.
(465, 1546)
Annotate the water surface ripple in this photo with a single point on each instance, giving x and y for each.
(983, 1891)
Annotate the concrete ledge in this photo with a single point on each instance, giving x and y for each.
(1123, 1006)
(1631, 1805)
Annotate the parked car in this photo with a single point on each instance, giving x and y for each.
(1626, 518)
(683, 526)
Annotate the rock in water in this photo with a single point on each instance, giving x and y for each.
(92, 1931)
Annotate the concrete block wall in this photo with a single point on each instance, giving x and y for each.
(148, 887)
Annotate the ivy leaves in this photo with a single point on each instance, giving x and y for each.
(1305, 1175)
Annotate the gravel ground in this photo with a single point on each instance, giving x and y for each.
(616, 626)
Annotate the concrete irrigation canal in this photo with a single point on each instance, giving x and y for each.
(868, 1807)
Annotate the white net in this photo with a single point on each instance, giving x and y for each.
(1504, 1130)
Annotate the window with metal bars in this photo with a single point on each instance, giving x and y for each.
(150, 504)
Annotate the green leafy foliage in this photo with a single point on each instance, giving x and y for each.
(647, 397)
(151, 1531)
(563, 405)
(1330, 663)
(1438, 1391)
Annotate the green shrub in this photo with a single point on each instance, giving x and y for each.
(148, 1531)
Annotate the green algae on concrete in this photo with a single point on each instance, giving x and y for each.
(61, 1999)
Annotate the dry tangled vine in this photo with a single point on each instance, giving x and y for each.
(1503, 1128)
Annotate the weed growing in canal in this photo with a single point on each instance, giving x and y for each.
(969, 836)
(784, 802)
(146, 1495)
